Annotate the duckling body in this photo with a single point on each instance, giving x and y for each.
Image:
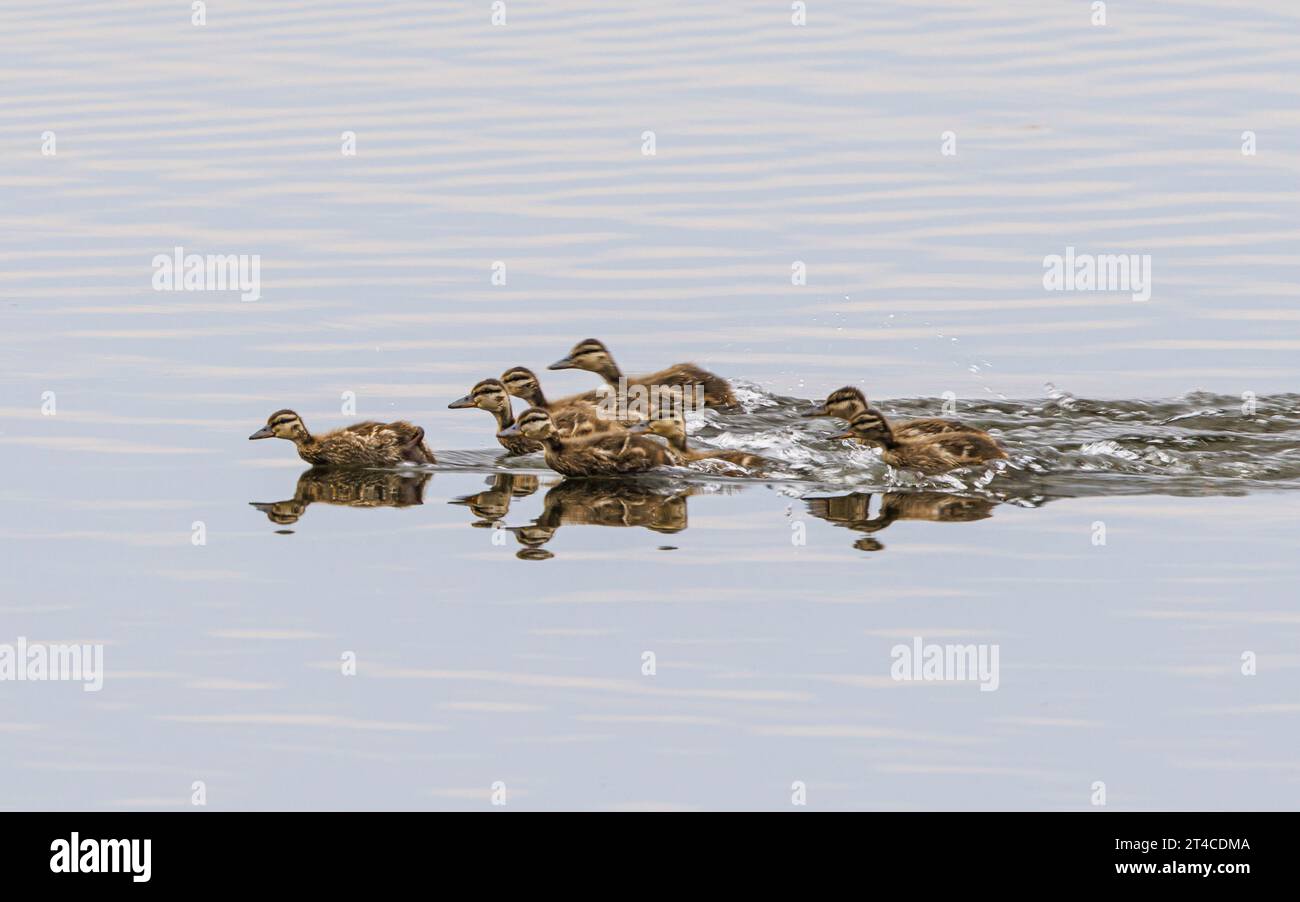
(672, 428)
(575, 416)
(603, 455)
(366, 444)
(848, 402)
(491, 395)
(592, 355)
(929, 454)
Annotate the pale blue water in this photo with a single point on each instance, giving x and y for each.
(522, 144)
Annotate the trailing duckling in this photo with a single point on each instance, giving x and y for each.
(591, 355)
(366, 444)
(606, 455)
(849, 402)
(929, 453)
(575, 416)
(491, 395)
(672, 427)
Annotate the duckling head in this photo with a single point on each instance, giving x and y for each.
(844, 403)
(489, 394)
(869, 426)
(669, 425)
(533, 423)
(589, 355)
(282, 424)
(521, 382)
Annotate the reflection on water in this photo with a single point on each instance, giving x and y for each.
(349, 488)
(853, 511)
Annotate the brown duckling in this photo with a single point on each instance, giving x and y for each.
(575, 416)
(672, 427)
(490, 395)
(848, 402)
(366, 444)
(928, 453)
(591, 355)
(605, 455)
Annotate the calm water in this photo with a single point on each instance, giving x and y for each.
(514, 653)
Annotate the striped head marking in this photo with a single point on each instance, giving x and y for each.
(869, 425)
(282, 424)
(533, 423)
(521, 382)
(589, 355)
(489, 394)
(843, 403)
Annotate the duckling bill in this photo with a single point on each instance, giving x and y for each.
(367, 444)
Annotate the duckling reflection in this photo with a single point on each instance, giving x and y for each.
(603, 502)
(350, 488)
(853, 511)
(492, 504)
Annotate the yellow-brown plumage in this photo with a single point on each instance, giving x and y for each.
(576, 416)
(604, 455)
(366, 444)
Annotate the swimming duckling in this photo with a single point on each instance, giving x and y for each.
(575, 416)
(672, 426)
(591, 355)
(490, 395)
(606, 455)
(848, 402)
(366, 444)
(928, 453)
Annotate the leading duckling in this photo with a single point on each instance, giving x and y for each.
(849, 402)
(366, 444)
(672, 427)
(591, 355)
(605, 455)
(929, 454)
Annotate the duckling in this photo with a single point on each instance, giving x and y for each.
(848, 402)
(672, 426)
(490, 395)
(607, 455)
(576, 416)
(591, 355)
(366, 444)
(928, 454)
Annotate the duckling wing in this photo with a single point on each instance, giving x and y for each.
(929, 426)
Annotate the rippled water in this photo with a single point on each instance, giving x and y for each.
(514, 652)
